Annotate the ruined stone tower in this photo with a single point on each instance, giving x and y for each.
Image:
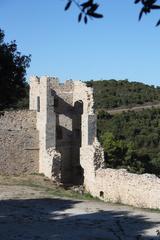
(67, 129)
(57, 137)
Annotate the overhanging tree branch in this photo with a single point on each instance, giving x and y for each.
(88, 8)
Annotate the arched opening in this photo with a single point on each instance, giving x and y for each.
(77, 138)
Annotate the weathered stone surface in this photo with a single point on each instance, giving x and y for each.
(119, 186)
(19, 143)
(17, 120)
(56, 167)
(65, 121)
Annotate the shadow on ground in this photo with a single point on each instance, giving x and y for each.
(48, 219)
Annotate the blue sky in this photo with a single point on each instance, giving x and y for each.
(117, 46)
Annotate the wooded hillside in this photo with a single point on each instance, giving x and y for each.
(113, 94)
(130, 139)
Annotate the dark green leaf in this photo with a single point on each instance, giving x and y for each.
(85, 19)
(79, 17)
(155, 7)
(68, 5)
(96, 15)
(158, 23)
(141, 13)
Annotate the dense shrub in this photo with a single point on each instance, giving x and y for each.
(131, 140)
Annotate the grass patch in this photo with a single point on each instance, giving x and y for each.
(41, 183)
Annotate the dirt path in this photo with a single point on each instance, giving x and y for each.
(27, 213)
(136, 109)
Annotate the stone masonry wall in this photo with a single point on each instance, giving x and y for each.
(119, 186)
(19, 144)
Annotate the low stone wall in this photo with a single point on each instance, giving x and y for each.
(19, 143)
(119, 186)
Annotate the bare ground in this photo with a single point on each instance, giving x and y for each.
(31, 209)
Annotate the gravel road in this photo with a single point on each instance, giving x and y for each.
(27, 213)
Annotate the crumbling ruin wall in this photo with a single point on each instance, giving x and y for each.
(111, 185)
(53, 103)
(19, 142)
(119, 186)
(68, 144)
(64, 118)
(91, 153)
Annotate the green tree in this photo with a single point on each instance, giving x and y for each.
(13, 85)
(115, 150)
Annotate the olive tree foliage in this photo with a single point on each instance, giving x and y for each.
(13, 85)
(88, 8)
